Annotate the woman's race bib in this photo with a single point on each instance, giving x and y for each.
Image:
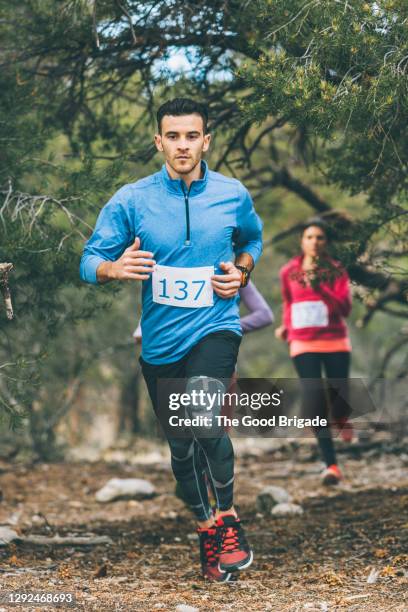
(309, 314)
(184, 287)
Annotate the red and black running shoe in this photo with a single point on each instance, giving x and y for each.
(235, 552)
(331, 475)
(209, 554)
(345, 428)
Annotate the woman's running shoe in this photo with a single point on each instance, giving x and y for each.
(209, 555)
(234, 552)
(345, 428)
(332, 475)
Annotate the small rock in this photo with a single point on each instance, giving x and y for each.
(120, 488)
(133, 503)
(373, 576)
(270, 496)
(7, 535)
(192, 537)
(285, 509)
(319, 606)
(404, 458)
(36, 518)
(184, 608)
(75, 504)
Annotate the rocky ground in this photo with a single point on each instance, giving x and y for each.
(320, 560)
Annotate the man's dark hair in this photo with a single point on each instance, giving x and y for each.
(182, 106)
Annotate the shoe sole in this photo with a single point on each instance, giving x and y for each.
(226, 578)
(330, 480)
(235, 568)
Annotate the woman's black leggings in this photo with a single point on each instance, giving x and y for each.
(309, 368)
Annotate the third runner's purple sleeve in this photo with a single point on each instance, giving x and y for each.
(260, 314)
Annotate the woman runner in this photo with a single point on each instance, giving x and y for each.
(316, 299)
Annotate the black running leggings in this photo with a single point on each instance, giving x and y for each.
(214, 356)
(336, 367)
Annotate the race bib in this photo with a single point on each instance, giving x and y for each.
(183, 287)
(309, 314)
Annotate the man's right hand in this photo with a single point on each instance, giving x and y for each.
(131, 265)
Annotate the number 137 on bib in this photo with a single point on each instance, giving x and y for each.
(183, 287)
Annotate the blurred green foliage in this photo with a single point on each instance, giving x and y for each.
(308, 108)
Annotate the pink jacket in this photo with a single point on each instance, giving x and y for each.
(312, 313)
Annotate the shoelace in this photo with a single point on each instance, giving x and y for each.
(231, 540)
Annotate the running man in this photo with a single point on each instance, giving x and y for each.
(192, 236)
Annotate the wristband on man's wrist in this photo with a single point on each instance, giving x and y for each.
(245, 275)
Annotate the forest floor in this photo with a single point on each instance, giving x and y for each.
(316, 561)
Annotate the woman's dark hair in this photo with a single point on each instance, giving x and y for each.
(317, 222)
(182, 106)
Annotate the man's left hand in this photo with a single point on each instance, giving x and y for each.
(227, 285)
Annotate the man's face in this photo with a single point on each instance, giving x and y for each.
(182, 140)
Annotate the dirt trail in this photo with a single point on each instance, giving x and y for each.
(317, 561)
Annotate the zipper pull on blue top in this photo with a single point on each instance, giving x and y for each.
(187, 241)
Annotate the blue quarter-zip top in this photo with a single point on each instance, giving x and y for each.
(211, 222)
